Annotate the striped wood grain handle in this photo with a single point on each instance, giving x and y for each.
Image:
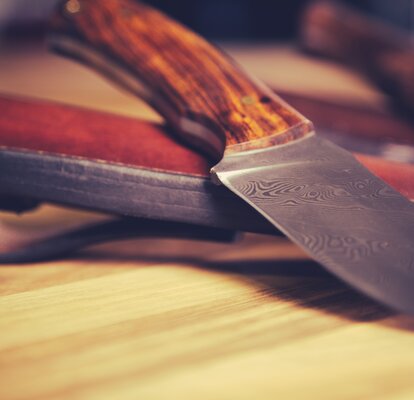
(199, 91)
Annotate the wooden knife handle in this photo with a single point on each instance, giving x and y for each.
(199, 91)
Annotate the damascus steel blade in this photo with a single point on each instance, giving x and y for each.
(344, 217)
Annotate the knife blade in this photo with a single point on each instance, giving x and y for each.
(315, 192)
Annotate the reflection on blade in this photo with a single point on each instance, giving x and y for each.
(328, 203)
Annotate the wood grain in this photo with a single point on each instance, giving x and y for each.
(160, 320)
(203, 94)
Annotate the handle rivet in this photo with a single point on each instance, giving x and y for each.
(73, 6)
(248, 100)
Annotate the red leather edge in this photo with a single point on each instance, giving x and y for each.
(67, 130)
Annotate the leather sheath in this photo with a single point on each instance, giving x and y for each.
(46, 128)
(44, 143)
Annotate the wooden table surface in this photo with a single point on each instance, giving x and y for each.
(167, 319)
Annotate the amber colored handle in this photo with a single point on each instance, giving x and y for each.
(200, 91)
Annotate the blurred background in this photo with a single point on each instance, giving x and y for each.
(218, 19)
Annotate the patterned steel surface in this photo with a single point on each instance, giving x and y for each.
(335, 209)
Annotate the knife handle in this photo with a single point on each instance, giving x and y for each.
(203, 94)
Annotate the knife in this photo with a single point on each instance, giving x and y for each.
(315, 192)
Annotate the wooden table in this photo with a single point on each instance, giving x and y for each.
(158, 319)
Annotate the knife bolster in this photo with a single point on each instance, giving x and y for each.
(203, 94)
